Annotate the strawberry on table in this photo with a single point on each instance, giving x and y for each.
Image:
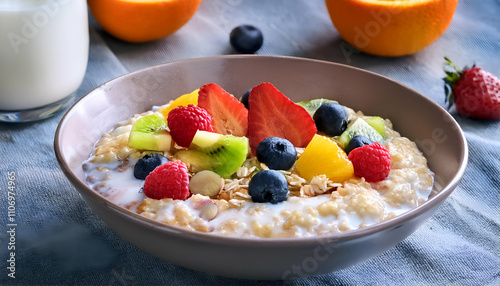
(475, 92)
(272, 114)
(230, 117)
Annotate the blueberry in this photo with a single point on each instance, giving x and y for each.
(331, 118)
(268, 186)
(277, 153)
(244, 98)
(246, 39)
(147, 164)
(356, 142)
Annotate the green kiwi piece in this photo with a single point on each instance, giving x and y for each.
(377, 123)
(359, 127)
(312, 105)
(222, 154)
(149, 133)
(196, 161)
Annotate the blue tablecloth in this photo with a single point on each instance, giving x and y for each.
(59, 240)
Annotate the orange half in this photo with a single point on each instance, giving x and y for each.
(391, 27)
(142, 20)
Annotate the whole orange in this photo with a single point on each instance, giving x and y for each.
(142, 20)
(391, 27)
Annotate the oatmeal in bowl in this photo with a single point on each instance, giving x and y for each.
(265, 167)
(328, 215)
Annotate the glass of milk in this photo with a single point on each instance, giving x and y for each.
(44, 48)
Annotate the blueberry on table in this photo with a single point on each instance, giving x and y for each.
(268, 186)
(277, 153)
(331, 118)
(246, 39)
(147, 164)
(356, 142)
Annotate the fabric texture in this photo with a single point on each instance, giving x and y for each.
(60, 241)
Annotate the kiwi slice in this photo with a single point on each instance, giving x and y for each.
(312, 105)
(377, 123)
(196, 161)
(359, 127)
(149, 133)
(222, 154)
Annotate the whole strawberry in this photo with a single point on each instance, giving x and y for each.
(475, 92)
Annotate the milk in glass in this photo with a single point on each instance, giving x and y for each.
(43, 51)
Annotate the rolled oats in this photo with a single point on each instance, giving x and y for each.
(316, 207)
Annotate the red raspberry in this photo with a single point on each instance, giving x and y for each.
(170, 180)
(184, 121)
(373, 162)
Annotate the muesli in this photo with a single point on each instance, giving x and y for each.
(263, 167)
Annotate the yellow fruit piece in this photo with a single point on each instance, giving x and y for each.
(324, 156)
(183, 100)
(390, 27)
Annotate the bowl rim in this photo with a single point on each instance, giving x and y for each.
(395, 222)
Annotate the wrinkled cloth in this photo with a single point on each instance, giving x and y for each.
(60, 241)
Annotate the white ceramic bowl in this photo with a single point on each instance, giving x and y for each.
(414, 115)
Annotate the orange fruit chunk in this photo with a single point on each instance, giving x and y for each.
(140, 21)
(324, 156)
(183, 100)
(390, 27)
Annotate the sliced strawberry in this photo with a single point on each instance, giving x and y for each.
(230, 117)
(273, 114)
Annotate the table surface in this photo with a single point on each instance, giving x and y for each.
(59, 240)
